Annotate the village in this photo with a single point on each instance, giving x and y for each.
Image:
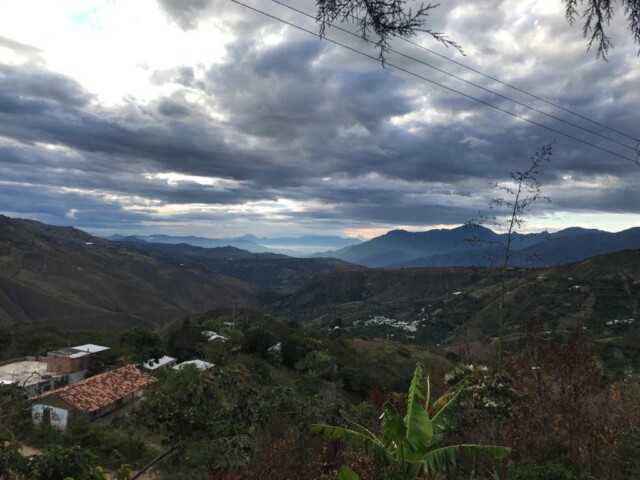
(64, 386)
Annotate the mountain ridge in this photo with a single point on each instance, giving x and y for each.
(69, 278)
(473, 245)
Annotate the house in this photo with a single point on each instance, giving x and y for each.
(159, 364)
(92, 398)
(59, 368)
(73, 361)
(199, 364)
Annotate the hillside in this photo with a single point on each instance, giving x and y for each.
(66, 277)
(401, 294)
(265, 270)
(458, 306)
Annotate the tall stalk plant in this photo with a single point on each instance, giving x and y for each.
(515, 200)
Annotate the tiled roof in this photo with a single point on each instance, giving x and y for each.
(102, 390)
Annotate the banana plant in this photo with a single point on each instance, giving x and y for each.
(411, 447)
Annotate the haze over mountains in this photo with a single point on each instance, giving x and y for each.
(472, 245)
(271, 271)
(293, 246)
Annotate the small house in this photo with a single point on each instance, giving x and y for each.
(92, 398)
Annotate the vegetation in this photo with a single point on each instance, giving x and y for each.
(391, 18)
(516, 199)
(385, 19)
(569, 406)
(411, 447)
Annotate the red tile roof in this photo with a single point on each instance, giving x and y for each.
(102, 390)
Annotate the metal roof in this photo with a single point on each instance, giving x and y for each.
(91, 348)
(199, 364)
(152, 364)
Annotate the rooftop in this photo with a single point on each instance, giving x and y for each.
(70, 353)
(80, 350)
(25, 373)
(102, 390)
(152, 364)
(199, 364)
(91, 348)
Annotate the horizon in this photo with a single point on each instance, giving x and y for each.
(362, 238)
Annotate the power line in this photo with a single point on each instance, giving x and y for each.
(377, 60)
(466, 81)
(415, 44)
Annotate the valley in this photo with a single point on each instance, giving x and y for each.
(286, 342)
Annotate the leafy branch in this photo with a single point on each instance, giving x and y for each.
(384, 18)
(597, 16)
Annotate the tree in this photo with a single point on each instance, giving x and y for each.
(390, 18)
(184, 406)
(411, 447)
(10, 458)
(597, 15)
(141, 345)
(59, 463)
(384, 18)
(187, 341)
(194, 409)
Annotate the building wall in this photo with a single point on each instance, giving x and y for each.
(61, 364)
(76, 377)
(57, 417)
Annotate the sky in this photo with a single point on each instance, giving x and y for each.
(201, 117)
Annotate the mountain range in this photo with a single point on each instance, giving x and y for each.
(65, 277)
(292, 246)
(68, 278)
(270, 271)
(473, 245)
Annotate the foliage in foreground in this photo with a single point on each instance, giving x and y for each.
(413, 446)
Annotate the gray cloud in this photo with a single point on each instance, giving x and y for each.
(186, 13)
(299, 120)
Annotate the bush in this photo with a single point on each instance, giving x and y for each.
(257, 341)
(546, 471)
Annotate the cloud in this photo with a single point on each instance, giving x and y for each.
(285, 131)
(186, 13)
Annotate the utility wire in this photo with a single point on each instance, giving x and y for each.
(377, 60)
(415, 44)
(575, 125)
